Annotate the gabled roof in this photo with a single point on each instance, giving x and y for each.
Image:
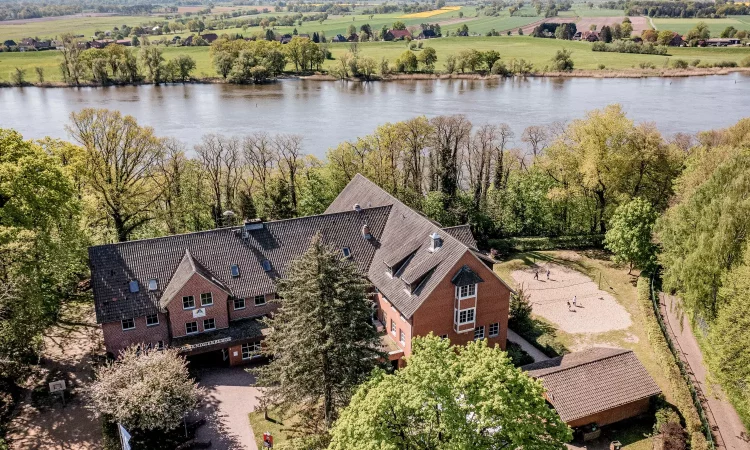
(398, 34)
(591, 381)
(279, 242)
(463, 233)
(185, 270)
(465, 276)
(405, 231)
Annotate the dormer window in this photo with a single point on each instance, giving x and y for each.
(153, 285)
(470, 290)
(266, 265)
(346, 251)
(234, 270)
(133, 285)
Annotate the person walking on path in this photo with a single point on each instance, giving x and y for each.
(536, 275)
(568, 305)
(575, 298)
(547, 274)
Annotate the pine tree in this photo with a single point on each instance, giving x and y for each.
(322, 340)
(247, 205)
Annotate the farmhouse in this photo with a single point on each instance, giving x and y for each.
(595, 386)
(397, 35)
(206, 291)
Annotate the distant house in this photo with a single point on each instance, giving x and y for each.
(284, 38)
(397, 35)
(124, 42)
(210, 37)
(10, 43)
(101, 43)
(304, 35)
(722, 42)
(676, 40)
(591, 36)
(188, 41)
(427, 34)
(595, 386)
(28, 44)
(338, 38)
(176, 39)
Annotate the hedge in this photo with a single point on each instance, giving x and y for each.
(526, 244)
(680, 390)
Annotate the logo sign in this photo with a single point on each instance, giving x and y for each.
(200, 312)
(124, 437)
(189, 347)
(57, 386)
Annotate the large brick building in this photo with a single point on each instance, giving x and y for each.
(204, 292)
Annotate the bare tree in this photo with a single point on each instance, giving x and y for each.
(450, 135)
(221, 160)
(416, 138)
(289, 150)
(502, 165)
(261, 158)
(537, 137)
(480, 150)
(122, 164)
(171, 171)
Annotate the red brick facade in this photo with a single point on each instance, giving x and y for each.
(250, 309)
(217, 310)
(117, 339)
(614, 415)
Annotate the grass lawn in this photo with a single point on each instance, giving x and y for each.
(538, 51)
(617, 282)
(278, 427)
(55, 27)
(716, 26)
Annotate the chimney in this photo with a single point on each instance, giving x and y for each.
(357, 207)
(253, 224)
(436, 242)
(366, 232)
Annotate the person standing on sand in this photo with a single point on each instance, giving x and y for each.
(575, 298)
(568, 305)
(536, 275)
(547, 274)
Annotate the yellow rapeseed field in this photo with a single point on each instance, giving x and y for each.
(434, 12)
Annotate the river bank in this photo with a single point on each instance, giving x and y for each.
(622, 73)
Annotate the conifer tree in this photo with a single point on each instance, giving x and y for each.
(322, 340)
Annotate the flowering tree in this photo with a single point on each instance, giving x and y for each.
(145, 390)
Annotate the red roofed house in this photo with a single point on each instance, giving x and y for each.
(398, 35)
(206, 291)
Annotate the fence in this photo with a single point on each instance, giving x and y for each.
(673, 347)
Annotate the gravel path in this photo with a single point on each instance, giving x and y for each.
(727, 427)
(596, 311)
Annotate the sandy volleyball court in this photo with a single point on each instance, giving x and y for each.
(596, 312)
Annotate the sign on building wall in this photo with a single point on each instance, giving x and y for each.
(200, 312)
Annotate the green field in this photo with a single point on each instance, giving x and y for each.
(78, 25)
(716, 26)
(537, 51)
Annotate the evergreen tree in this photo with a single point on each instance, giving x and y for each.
(278, 203)
(247, 205)
(322, 340)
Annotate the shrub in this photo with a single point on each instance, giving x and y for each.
(517, 355)
(647, 65)
(18, 77)
(680, 64)
(664, 415)
(673, 436)
(520, 307)
(621, 46)
(563, 61)
(745, 62)
(526, 244)
(695, 62)
(499, 68)
(601, 66)
(450, 64)
(725, 64)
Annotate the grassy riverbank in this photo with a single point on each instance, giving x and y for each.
(537, 51)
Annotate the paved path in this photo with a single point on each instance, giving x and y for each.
(526, 346)
(232, 395)
(727, 427)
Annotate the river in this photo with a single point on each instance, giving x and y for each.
(327, 113)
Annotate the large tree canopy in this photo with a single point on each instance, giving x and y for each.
(450, 398)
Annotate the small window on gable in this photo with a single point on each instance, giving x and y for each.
(128, 324)
(235, 270)
(133, 285)
(346, 251)
(266, 265)
(153, 285)
(260, 300)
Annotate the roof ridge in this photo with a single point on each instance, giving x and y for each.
(236, 227)
(618, 352)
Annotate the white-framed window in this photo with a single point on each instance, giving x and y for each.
(128, 324)
(153, 285)
(470, 290)
(188, 302)
(191, 327)
(479, 333)
(260, 300)
(239, 303)
(443, 336)
(152, 319)
(207, 299)
(393, 327)
(402, 336)
(209, 324)
(465, 316)
(494, 329)
(133, 285)
(250, 350)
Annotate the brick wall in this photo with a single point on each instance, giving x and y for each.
(493, 302)
(251, 310)
(402, 324)
(116, 339)
(614, 415)
(196, 286)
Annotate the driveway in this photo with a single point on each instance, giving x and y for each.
(231, 396)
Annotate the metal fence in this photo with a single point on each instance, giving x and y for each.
(676, 353)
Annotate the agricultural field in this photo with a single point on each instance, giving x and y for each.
(716, 26)
(538, 51)
(51, 27)
(432, 13)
